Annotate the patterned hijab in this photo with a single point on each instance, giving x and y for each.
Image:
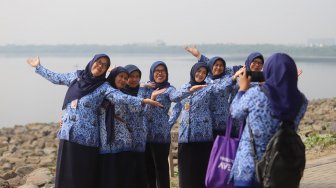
(86, 82)
(281, 86)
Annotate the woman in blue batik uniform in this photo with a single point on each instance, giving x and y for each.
(265, 107)
(116, 160)
(195, 131)
(218, 73)
(79, 135)
(138, 129)
(157, 122)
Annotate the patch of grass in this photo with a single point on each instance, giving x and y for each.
(320, 140)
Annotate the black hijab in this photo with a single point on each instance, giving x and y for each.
(193, 71)
(132, 90)
(86, 82)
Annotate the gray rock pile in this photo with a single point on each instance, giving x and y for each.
(28, 155)
(320, 117)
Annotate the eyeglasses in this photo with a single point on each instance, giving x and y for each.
(257, 62)
(102, 64)
(162, 71)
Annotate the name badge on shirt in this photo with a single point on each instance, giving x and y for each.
(187, 106)
(74, 104)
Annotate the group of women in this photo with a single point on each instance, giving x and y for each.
(117, 134)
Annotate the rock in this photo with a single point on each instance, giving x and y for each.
(49, 150)
(16, 181)
(34, 126)
(8, 175)
(47, 161)
(40, 177)
(3, 149)
(28, 186)
(7, 166)
(49, 185)
(19, 130)
(15, 160)
(332, 127)
(4, 183)
(24, 170)
(33, 160)
(12, 149)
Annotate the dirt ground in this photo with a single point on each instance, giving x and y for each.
(319, 152)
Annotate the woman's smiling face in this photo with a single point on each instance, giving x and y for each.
(160, 74)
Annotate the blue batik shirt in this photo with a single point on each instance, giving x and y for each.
(157, 119)
(254, 105)
(196, 121)
(123, 128)
(221, 101)
(80, 117)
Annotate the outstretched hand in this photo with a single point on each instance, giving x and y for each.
(157, 92)
(196, 87)
(149, 85)
(193, 50)
(33, 61)
(152, 102)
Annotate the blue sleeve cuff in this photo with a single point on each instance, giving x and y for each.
(240, 93)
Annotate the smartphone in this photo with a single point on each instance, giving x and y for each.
(256, 76)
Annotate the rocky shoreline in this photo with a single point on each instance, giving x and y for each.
(28, 152)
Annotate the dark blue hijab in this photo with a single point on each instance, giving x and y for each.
(132, 90)
(193, 71)
(211, 63)
(164, 84)
(251, 57)
(281, 86)
(110, 108)
(113, 74)
(85, 83)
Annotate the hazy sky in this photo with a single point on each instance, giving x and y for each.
(173, 21)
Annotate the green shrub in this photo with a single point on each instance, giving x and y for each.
(320, 140)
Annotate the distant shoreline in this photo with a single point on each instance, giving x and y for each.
(227, 50)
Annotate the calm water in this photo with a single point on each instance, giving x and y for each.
(26, 97)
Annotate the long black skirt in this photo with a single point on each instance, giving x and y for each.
(76, 166)
(140, 170)
(157, 165)
(193, 163)
(117, 170)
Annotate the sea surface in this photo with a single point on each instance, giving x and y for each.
(26, 97)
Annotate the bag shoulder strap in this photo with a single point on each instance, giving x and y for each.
(252, 142)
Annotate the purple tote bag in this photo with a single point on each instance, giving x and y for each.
(221, 158)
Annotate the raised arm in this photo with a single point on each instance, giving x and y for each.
(55, 78)
(196, 53)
